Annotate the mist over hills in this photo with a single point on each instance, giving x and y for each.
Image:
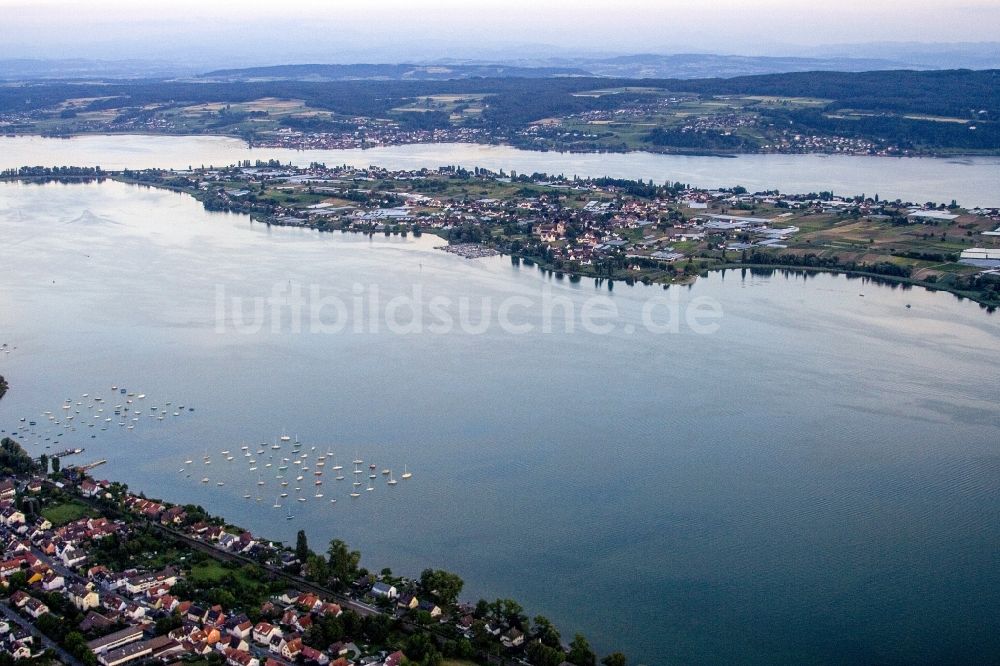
(534, 62)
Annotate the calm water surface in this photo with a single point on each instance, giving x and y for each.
(971, 181)
(816, 482)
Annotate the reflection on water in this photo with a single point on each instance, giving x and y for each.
(972, 181)
(816, 481)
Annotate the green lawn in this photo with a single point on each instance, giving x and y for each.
(209, 571)
(67, 512)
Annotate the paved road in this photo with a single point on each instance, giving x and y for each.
(64, 657)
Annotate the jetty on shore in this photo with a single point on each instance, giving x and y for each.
(469, 250)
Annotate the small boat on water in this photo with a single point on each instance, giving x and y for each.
(204, 480)
(391, 480)
(406, 473)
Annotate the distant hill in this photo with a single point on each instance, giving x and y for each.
(707, 65)
(640, 66)
(387, 72)
(881, 106)
(19, 69)
(519, 63)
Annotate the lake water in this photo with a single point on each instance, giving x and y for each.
(816, 481)
(971, 181)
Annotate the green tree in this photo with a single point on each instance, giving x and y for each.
(343, 562)
(43, 463)
(580, 652)
(546, 632)
(55, 465)
(301, 546)
(317, 568)
(542, 655)
(509, 612)
(167, 624)
(614, 659)
(443, 586)
(17, 581)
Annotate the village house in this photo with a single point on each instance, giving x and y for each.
(408, 601)
(140, 583)
(240, 658)
(83, 597)
(291, 649)
(430, 607)
(35, 608)
(384, 590)
(263, 632)
(52, 581)
(72, 556)
(242, 630)
(314, 656)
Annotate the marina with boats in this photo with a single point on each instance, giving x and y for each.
(286, 469)
(293, 473)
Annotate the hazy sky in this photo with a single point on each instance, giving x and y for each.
(381, 30)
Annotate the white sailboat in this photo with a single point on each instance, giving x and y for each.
(406, 473)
